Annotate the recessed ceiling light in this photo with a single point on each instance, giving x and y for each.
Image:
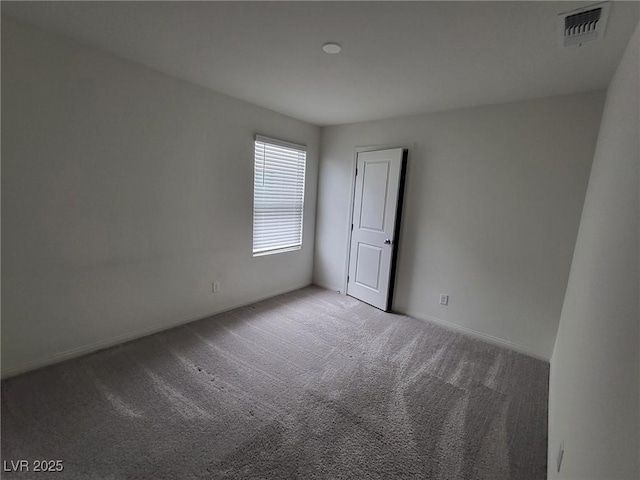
(332, 48)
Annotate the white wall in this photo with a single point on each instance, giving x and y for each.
(492, 205)
(125, 193)
(594, 403)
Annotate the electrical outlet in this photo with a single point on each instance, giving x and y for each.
(444, 299)
(215, 287)
(560, 455)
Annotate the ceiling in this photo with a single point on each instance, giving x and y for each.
(398, 58)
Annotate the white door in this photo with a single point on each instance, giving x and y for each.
(374, 222)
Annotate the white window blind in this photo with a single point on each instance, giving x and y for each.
(278, 195)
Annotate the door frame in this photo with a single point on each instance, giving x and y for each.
(354, 163)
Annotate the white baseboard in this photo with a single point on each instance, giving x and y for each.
(117, 340)
(333, 288)
(480, 336)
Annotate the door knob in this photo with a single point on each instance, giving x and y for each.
(387, 242)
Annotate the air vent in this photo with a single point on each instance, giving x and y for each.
(584, 24)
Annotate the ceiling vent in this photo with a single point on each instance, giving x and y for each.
(583, 24)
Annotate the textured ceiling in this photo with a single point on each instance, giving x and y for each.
(398, 58)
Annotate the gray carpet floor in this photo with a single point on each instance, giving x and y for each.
(309, 385)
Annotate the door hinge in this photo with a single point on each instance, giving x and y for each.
(352, 227)
(347, 278)
(356, 172)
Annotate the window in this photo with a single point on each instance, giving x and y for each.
(278, 196)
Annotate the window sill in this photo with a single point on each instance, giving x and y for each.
(277, 250)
